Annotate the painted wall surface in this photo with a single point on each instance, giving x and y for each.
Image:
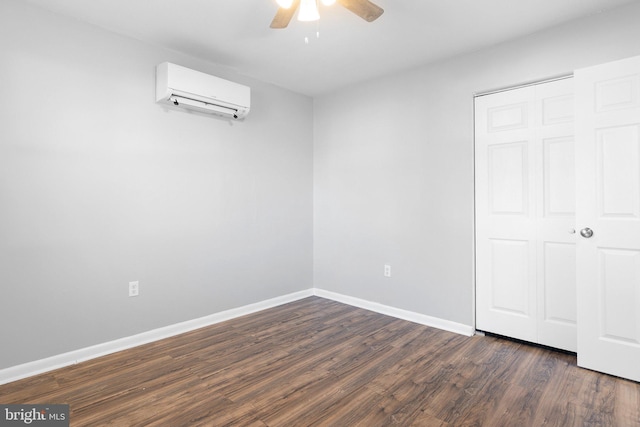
(99, 186)
(393, 166)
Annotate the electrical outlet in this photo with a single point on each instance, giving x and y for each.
(387, 270)
(134, 289)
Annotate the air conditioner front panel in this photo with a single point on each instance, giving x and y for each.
(176, 81)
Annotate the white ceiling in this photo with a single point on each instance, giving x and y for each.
(236, 33)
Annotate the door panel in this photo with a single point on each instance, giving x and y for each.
(619, 296)
(559, 283)
(608, 188)
(509, 116)
(510, 277)
(618, 175)
(508, 178)
(559, 197)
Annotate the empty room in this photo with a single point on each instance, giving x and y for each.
(328, 213)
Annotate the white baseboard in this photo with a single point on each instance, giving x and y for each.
(25, 370)
(399, 313)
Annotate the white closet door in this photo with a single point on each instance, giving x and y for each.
(608, 182)
(505, 214)
(555, 215)
(525, 212)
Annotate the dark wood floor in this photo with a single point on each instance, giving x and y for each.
(319, 362)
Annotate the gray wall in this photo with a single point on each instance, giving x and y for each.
(100, 186)
(393, 166)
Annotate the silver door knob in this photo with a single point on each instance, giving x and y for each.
(586, 232)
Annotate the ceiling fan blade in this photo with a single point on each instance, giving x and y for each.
(363, 8)
(283, 16)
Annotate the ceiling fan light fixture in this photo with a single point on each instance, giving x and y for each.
(285, 4)
(308, 11)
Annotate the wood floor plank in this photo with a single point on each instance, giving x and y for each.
(317, 362)
(627, 403)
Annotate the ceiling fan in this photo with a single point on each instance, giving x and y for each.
(309, 10)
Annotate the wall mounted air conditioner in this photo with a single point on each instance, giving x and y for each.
(183, 87)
